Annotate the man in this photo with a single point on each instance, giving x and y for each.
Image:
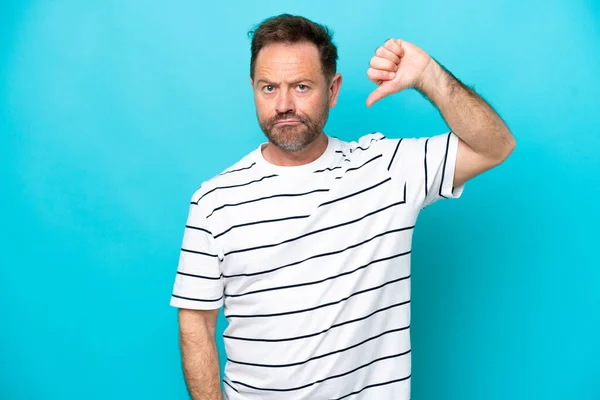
(306, 240)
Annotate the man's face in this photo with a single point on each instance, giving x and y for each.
(292, 95)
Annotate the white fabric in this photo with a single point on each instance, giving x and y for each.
(312, 265)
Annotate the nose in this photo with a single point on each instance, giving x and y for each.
(284, 102)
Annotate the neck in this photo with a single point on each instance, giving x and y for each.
(277, 156)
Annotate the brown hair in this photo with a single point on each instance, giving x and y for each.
(286, 28)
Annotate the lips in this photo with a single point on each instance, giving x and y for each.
(288, 122)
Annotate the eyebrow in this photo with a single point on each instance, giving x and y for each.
(263, 80)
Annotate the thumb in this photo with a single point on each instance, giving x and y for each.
(379, 93)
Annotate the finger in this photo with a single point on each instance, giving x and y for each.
(395, 46)
(383, 64)
(387, 54)
(379, 94)
(378, 75)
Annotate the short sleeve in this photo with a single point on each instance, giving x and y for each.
(426, 166)
(439, 164)
(198, 282)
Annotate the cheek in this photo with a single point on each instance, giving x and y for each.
(262, 107)
(313, 105)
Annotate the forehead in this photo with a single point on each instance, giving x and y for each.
(284, 59)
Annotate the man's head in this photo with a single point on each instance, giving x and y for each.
(293, 75)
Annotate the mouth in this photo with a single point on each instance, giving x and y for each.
(288, 122)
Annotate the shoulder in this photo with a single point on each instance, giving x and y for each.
(241, 170)
(363, 143)
(399, 151)
(377, 142)
(407, 146)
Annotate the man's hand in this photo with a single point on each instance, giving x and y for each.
(484, 139)
(397, 65)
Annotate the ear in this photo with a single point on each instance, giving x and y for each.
(334, 89)
(251, 83)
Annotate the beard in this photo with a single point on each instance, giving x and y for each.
(293, 138)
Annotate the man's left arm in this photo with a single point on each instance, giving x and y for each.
(484, 139)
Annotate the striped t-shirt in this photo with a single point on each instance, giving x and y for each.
(312, 266)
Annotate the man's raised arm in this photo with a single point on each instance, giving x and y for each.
(484, 139)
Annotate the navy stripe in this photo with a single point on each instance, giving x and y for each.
(322, 280)
(199, 229)
(191, 298)
(264, 198)
(326, 169)
(394, 155)
(315, 232)
(355, 193)
(233, 186)
(369, 146)
(322, 355)
(320, 305)
(261, 222)
(229, 384)
(365, 317)
(216, 278)
(360, 166)
(199, 252)
(374, 385)
(240, 169)
(328, 378)
(319, 255)
(425, 162)
(444, 167)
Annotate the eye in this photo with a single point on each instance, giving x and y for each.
(268, 88)
(302, 88)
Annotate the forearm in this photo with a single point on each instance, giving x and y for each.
(469, 116)
(200, 363)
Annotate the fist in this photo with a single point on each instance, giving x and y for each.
(397, 65)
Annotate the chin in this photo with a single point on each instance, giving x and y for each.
(292, 144)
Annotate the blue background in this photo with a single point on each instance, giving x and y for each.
(113, 112)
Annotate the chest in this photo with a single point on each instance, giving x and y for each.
(286, 220)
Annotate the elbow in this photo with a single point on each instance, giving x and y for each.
(512, 143)
(507, 149)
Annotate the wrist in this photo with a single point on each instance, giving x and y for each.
(434, 82)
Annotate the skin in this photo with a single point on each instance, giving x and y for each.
(289, 84)
(199, 356)
(484, 139)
